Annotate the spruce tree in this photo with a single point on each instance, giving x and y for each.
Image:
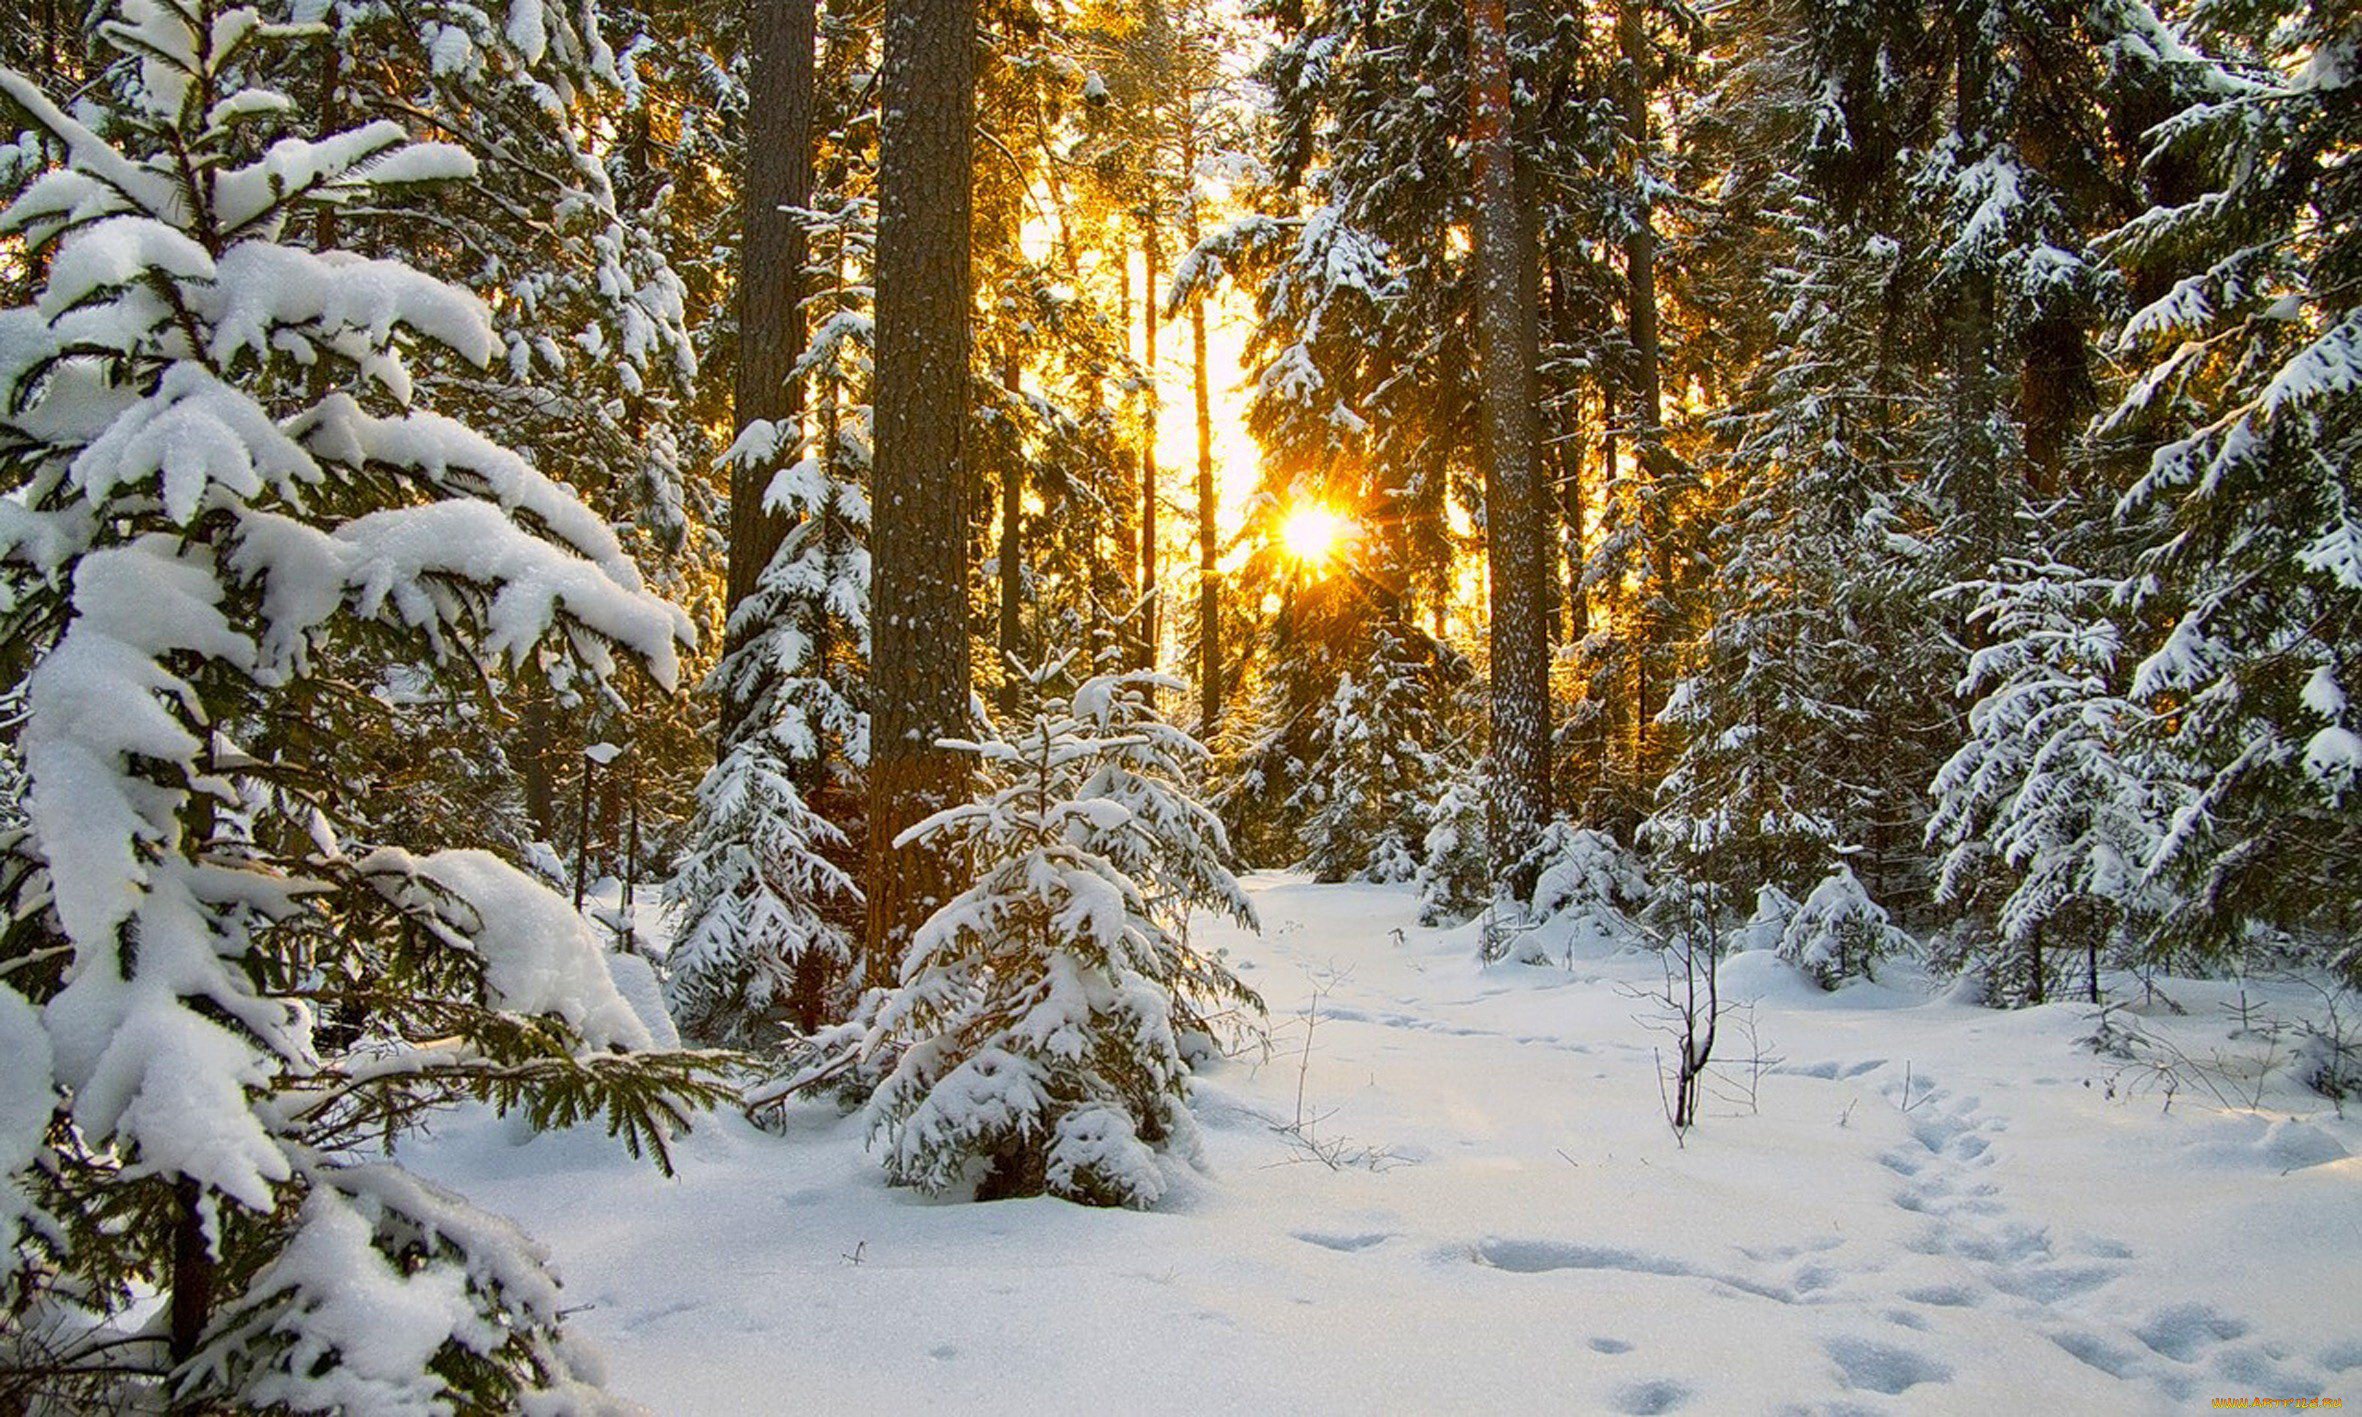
(2244, 607)
(1373, 775)
(234, 536)
(1038, 1025)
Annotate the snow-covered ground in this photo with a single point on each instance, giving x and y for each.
(1510, 1224)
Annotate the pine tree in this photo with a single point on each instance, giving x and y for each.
(1455, 865)
(2044, 797)
(1796, 747)
(1587, 886)
(1506, 318)
(1366, 791)
(767, 915)
(231, 530)
(1839, 933)
(777, 149)
(2244, 608)
(1038, 1023)
(567, 246)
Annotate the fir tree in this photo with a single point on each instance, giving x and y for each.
(1839, 933)
(2245, 604)
(1455, 865)
(225, 503)
(2044, 805)
(1373, 773)
(1796, 750)
(767, 915)
(1038, 1023)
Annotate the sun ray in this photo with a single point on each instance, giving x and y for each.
(1313, 534)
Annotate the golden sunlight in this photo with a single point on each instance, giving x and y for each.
(1312, 533)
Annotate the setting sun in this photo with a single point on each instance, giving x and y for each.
(1313, 533)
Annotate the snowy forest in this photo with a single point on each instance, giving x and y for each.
(1180, 705)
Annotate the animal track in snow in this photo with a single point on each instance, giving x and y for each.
(1882, 1367)
(1545, 1256)
(2180, 1331)
(2177, 1345)
(1346, 1244)
(1542, 1256)
(1646, 1398)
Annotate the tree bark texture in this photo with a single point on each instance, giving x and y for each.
(1011, 555)
(778, 166)
(919, 667)
(1209, 605)
(1150, 628)
(1508, 353)
(1647, 385)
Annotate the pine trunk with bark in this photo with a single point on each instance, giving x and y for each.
(778, 137)
(1209, 606)
(1517, 543)
(1647, 386)
(1150, 628)
(1011, 556)
(1973, 463)
(919, 670)
(1122, 572)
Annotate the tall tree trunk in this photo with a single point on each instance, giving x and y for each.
(537, 729)
(1570, 505)
(1508, 353)
(1150, 627)
(325, 119)
(1566, 466)
(778, 139)
(1973, 481)
(1011, 556)
(1648, 394)
(1124, 574)
(1209, 605)
(828, 446)
(918, 591)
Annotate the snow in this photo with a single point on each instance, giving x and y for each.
(2334, 755)
(1839, 931)
(1928, 1207)
(100, 700)
(381, 1326)
(539, 955)
(25, 1101)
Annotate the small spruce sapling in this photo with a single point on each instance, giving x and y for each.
(765, 916)
(1038, 1025)
(1839, 933)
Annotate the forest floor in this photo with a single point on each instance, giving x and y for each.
(1895, 1203)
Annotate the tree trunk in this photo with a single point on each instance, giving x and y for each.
(1150, 628)
(1012, 552)
(1570, 502)
(919, 638)
(813, 773)
(1209, 606)
(1640, 253)
(1566, 463)
(538, 733)
(1508, 353)
(1123, 573)
(770, 288)
(192, 1273)
(1974, 483)
(1648, 394)
(325, 119)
